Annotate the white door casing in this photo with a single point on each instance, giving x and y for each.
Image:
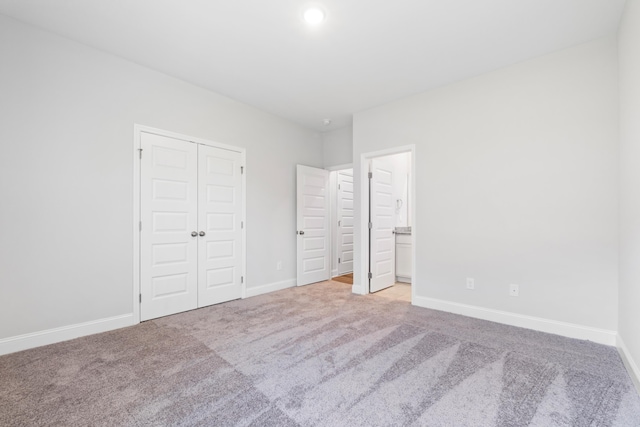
(220, 220)
(344, 238)
(168, 200)
(313, 233)
(382, 241)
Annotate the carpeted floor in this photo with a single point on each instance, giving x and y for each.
(318, 356)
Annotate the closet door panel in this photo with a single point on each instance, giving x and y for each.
(169, 201)
(220, 225)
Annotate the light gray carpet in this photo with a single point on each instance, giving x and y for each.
(318, 356)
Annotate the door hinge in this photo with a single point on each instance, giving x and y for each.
(241, 279)
(241, 170)
(140, 152)
(370, 276)
(339, 262)
(140, 298)
(370, 175)
(241, 224)
(338, 186)
(339, 223)
(370, 226)
(140, 225)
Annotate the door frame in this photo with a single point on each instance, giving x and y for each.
(361, 280)
(137, 132)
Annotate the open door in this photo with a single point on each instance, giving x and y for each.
(313, 233)
(381, 225)
(345, 221)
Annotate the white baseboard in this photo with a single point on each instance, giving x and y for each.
(64, 333)
(571, 330)
(629, 363)
(334, 273)
(271, 287)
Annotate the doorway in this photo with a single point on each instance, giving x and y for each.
(342, 223)
(386, 223)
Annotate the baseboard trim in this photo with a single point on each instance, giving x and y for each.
(570, 330)
(64, 333)
(629, 363)
(271, 287)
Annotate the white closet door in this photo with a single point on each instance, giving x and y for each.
(313, 254)
(382, 225)
(220, 216)
(345, 221)
(168, 252)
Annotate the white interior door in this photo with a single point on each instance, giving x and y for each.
(168, 203)
(313, 225)
(345, 221)
(382, 239)
(220, 225)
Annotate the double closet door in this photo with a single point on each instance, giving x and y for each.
(191, 225)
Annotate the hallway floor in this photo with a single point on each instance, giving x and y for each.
(399, 292)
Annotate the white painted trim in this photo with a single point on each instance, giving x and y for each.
(571, 330)
(137, 130)
(334, 273)
(629, 363)
(137, 143)
(64, 333)
(359, 290)
(243, 178)
(363, 288)
(271, 287)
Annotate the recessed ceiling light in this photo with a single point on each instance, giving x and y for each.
(326, 122)
(313, 16)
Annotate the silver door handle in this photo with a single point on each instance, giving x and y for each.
(194, 233)
(301, 233)
(201, 233)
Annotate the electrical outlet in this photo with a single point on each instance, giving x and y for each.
(514, 290)
(279, 265)
(471, 284)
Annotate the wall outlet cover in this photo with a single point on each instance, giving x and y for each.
(471, 283)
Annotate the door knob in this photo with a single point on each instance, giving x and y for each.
(194, 233)
(301, 233)
(201, 233)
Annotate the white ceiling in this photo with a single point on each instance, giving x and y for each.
(366, 53)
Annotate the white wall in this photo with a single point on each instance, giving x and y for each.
(516, 182)
(66, 176)
(337, 147)
(629, 51)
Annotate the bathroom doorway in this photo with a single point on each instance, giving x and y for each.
(387, 225)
